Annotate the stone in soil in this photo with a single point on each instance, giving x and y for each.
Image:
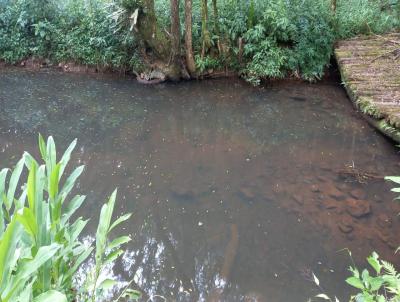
(383, 221)
(315, 188)
(358, 208)
(246, 193)
(330, 204)
(357, 194)
(386, 238)
(298, 199)
(345, 225)
(332, 191)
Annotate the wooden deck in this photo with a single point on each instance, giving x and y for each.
(370, 69)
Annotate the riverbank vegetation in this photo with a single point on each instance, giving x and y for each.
(41, 247)
(187, 39)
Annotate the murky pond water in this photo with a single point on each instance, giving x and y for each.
(238, 193)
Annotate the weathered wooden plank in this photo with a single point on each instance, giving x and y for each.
(370, 70)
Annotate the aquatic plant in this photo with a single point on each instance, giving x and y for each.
(40, 245)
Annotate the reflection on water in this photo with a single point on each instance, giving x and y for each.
(238, 193)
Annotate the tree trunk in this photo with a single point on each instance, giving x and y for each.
(215, 10)
(150, 33)
(175, 40)
(205, 34)
(191, 66)
(164, 49)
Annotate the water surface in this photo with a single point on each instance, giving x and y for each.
(238, 193)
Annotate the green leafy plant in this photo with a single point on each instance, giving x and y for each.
(40, 246)
(381, 286)
(395, 179)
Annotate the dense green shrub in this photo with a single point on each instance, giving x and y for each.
(78, 31)
(281, 38)
(86, 35)
(291, 38)
(367, 16)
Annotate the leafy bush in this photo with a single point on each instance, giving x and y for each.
(281, 38)
(366, 16)
(291, 38)
(40, 247)
(384, 286)
(78, 31)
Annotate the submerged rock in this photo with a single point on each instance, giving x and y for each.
(345, 225)
(358, 208)
(183, 193)
(388, 239)
(315, 189)
(330, 204)
(298, 199)
(332, 191)
(246, 193)
(357, 194)
(384, 221)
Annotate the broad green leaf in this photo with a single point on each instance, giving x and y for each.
(42, 147)
(51, 296)
(120, 220)
(3, 176)
(374, 262)
(28, 220)
(73, 205)
(53, 183)
(113, 256)
(29, 160)
(365, 275)
(395, 179)
(8, 244)
(101, 234)
(118, 242)
(104, 225)
(76, 229)
(375, 283)
(51, 155)
(41, 210)
(20, 202)
(77, 263)
(26, 294)
(66, 157)
(107, 284)
(381, 298)
(132, 294)
(44, 254)
(16, 174)
(353, 281)
(31, 187)
(70, 182)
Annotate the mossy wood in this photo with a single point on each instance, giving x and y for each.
(370, 70)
